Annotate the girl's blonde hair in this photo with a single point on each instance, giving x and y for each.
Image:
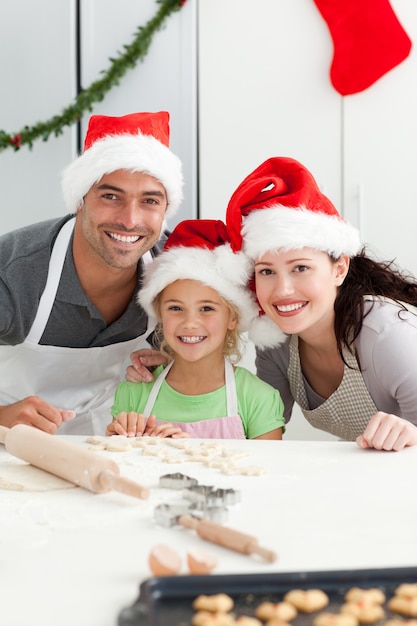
(232, 343)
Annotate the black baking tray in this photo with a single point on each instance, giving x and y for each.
(167, 600)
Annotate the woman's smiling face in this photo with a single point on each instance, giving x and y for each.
(297, 288)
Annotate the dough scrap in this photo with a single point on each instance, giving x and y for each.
(25, 477)
(96, 439)
(118, 443)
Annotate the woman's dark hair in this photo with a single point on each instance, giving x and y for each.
(368, 277)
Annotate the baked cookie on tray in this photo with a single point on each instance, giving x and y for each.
(307, 600)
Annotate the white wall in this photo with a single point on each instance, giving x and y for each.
(38, 66)
(37, 74)
(264, 90)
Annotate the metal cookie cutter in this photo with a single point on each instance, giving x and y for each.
(168, 514)
(176, 481)
(197, 493)
(215, 513)
(210, 496)
(226, 496)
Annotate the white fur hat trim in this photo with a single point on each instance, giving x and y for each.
(278, 227)
(221, 269)
(135, 153)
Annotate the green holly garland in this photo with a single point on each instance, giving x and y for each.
(84, 101)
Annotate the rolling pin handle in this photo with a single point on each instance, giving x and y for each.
(3, 433)
(265, 553)
(226, 537)
(109, 480)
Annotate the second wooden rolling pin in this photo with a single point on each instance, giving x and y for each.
(64, 459)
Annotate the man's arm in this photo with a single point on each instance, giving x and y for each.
(142, 363)
(33, 411)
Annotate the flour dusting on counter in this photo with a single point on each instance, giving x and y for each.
(31, 518)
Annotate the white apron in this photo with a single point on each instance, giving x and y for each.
(228, 427)
(78, 379)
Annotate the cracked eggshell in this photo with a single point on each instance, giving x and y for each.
(164, 561)
(200, 561)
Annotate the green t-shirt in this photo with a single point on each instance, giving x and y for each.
(260, 406)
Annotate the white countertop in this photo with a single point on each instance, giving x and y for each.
(73, 557)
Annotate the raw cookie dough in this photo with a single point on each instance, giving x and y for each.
(25, 477)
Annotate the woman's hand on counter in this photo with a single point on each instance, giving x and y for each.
(388, 432)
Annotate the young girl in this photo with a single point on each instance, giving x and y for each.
(196, 290)
(337, 330)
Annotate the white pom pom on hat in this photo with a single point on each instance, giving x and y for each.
(137, 142)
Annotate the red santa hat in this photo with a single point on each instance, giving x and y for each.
(138, 143)
(200, 250)
(279, 206)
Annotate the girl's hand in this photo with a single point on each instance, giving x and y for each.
(388, 432)
(128, 424)
(141, 360)
(163, 429)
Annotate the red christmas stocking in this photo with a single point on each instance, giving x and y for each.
(368, 42)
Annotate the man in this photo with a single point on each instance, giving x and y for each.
(68, 286)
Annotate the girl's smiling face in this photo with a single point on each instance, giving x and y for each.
(297, 288)
(195, 319)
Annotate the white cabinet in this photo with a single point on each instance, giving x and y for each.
(265, 91)
(38, 81)
(38, 64)
(166, 80)
(380, 155)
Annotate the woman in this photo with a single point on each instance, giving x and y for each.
(337, 330)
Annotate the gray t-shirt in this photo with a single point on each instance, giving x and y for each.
(387, 351)
(74, 321)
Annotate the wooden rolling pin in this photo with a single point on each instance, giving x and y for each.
(226, 537)
(73, 463)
